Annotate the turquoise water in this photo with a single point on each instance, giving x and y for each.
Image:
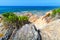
(33, 9)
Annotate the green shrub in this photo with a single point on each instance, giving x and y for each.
(58, 10)
(55, 11)
(9, 16)
(23, 18)
(13, 19)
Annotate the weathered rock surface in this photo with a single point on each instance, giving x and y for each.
(27, 32)
(43, 29)
(40, 23)
(5, 33)
(51, 31)
(33, 18)
(28, 14)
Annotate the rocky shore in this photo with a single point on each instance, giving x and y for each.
(43, 27)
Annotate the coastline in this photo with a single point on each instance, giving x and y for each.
(29, 26)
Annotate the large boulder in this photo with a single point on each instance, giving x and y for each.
(27, 32)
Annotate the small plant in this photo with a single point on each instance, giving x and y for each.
(23, 19)
(53, 13)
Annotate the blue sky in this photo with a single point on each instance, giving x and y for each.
(29, 2)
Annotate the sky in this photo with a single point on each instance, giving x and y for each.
(29, 2)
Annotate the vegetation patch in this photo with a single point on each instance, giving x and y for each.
(13, 19)
(55, 12)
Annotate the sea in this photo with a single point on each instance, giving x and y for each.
(40, 10)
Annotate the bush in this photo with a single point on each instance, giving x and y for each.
(55, 12)
(12, 18)
(23, 19)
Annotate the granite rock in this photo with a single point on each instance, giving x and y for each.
(27, 32)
